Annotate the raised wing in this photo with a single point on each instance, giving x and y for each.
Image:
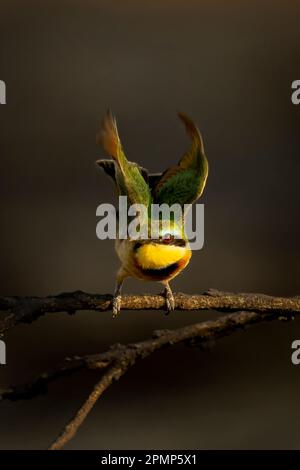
(127, 175)
(184, 183)
(108, 166)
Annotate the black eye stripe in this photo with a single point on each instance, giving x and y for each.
(179, 242)
(174, 241)
(138, 245)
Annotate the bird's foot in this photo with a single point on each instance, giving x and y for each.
(116, 305)
(170, 302)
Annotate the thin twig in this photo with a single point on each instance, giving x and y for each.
(28, 309)
(196, 334)
(126, 356)
(119, 358)
(113, 373)
(249, 308)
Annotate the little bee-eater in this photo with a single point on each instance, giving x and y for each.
(165, 256)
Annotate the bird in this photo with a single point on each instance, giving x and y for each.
(162, 258)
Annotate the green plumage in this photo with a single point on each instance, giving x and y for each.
(181, 184)
(184, 187)
(127, 175)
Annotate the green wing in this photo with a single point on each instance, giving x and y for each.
(128, 175)
(109, 167)
(185, 182)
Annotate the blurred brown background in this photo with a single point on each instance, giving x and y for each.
(229, 65)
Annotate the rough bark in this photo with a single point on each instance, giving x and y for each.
(112, 364)
(28, 309)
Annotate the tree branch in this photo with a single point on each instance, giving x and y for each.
(119, 358)
(113, 373)
(249, 308)
(28, 309)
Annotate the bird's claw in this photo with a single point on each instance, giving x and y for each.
(116, 305)
(170, 302)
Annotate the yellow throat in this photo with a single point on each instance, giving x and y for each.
(156, 256)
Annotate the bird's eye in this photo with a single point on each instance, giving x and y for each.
(168, 238)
